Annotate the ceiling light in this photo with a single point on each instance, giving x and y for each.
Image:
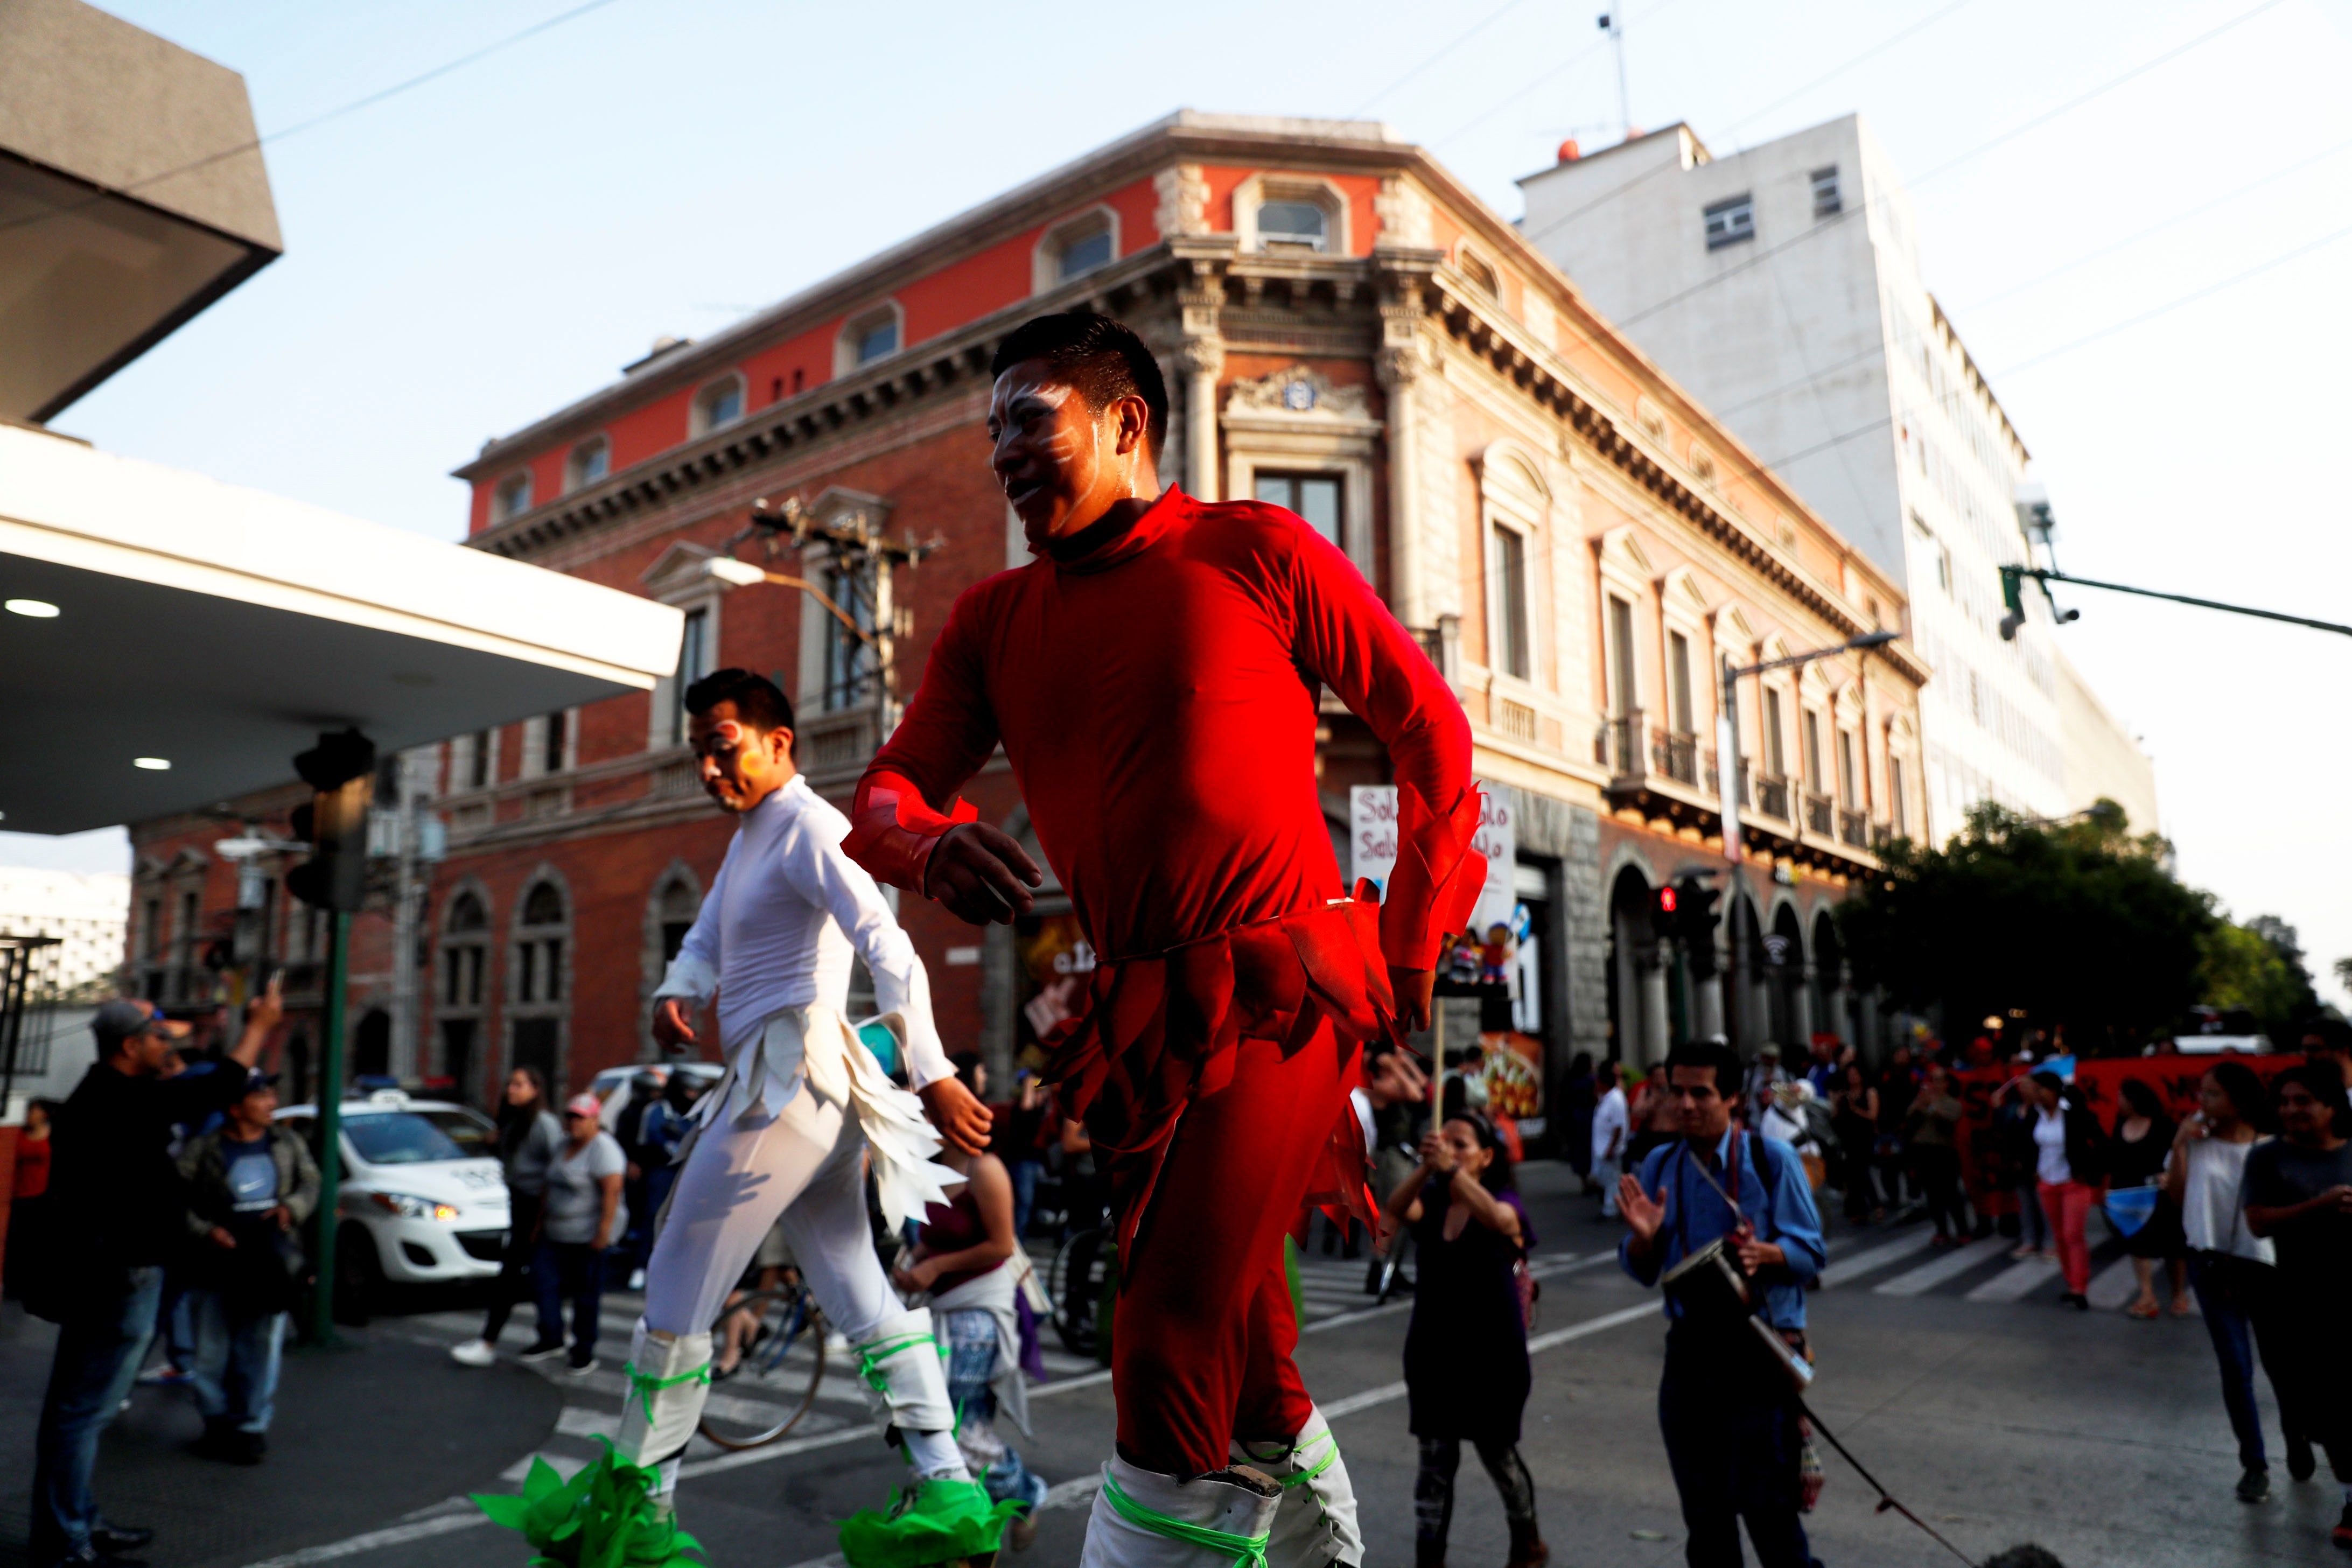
(153, 764)
(38, 609)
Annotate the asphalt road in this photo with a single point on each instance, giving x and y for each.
(1993, 1413)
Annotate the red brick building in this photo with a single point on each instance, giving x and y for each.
(1346, 330)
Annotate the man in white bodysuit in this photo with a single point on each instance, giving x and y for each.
(784, 1133)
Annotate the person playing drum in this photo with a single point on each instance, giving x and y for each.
(1726, 1219)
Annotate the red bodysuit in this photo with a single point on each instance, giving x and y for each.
(1155, 691)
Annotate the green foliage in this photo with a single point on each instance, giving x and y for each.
(2077, 922)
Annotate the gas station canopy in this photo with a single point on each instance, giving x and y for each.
(168, 641)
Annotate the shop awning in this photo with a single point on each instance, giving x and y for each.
(219, 630)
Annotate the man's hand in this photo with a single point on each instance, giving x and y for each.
(982, 874)
(1756, 1255)
(962, 1120)
(219, 1237)
(673, 1024)
(1643, 1214)
(1412, 989)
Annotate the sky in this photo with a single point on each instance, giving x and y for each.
(466, 256)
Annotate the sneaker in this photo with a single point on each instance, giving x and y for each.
(163, 1376)
(474, 1353)
(582, 1368)
(2254, 1486)
(544, 1350)
(2302, 1464)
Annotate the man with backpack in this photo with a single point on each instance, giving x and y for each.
(1724, 1405)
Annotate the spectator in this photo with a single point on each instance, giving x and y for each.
(1465, 1353)
(1021, 1144)
(1731, 1432)
(1610, 1132)
(1853, 1117)
(968, 1257)
(29, 1203)
(584, 1217)
(2231, 1267)
(2136, 1158)
(116, 1193)
(1931, 1131)
(527, 1138)
(2069, 1160)
(2299, 1195)
(250, 1182)
(1763, 1077)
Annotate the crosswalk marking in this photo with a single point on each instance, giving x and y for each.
(1958, 1261)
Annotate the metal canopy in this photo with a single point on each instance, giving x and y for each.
(220, 629)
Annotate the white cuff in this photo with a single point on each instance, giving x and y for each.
(689, 978)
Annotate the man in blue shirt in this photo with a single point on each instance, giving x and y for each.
(1731, 1427)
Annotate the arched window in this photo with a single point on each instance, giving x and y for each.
(540, 979)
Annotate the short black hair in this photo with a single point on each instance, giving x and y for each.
(759, 701)
(1102, 358)
(1712, 1054)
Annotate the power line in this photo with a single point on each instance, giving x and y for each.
(297, 129)
(1492, 17)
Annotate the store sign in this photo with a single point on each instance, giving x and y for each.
(1373, 845)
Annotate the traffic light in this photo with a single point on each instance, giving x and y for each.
(1695, 920)
(340, 769)
(1666, 912)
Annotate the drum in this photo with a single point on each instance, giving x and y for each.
(1708, 1284)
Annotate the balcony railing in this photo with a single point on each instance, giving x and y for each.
(1853, 828)
(1772, 796)
(1819, 813)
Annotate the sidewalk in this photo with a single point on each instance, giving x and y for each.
(362, 1435)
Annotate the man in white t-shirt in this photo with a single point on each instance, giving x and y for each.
(1611, 1124)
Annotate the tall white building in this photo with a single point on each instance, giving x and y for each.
(1782, 286)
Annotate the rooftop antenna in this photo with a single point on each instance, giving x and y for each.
(1612, 24)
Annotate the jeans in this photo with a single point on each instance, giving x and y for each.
(97, 1357)
(1731, 1441)
(570, 1270)
(236, 1366)
(2068, 1204)
(2228, 1292)
(1026, 1173)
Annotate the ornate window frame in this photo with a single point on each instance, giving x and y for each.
(1297, 420)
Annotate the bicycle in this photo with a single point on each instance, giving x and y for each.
(1075, 1281)
(781, 1333)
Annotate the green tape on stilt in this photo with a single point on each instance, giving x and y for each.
(607, 1516)
(935, 1522)
(1246, 1551)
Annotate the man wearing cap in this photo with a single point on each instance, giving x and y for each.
(115, 1191)
(250, 1182)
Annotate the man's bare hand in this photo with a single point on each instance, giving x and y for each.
(673, 1024)
(982, 874)
(962, 1120)
(1412, 989)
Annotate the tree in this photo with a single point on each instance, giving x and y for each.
(2075, 922)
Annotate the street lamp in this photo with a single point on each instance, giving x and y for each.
(1726, 732)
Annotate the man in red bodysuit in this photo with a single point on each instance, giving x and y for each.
(1153, 678)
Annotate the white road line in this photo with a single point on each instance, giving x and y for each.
(2017, 1281)
(1958, 1261)
(1847, 1269)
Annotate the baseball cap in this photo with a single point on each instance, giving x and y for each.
(582, 1105)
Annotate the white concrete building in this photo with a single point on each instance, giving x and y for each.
(1782, 286)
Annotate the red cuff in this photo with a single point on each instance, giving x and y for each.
(893, 830)
(1438, 880)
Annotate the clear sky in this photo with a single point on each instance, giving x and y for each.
(465, 257)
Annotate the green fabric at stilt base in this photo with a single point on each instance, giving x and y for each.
(605, 1517)
(947, 1520)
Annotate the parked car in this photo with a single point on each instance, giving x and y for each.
(422, 1203)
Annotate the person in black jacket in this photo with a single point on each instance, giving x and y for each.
(116, 1193)
(2070, 1168)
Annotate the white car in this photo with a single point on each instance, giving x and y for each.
(422, 1204)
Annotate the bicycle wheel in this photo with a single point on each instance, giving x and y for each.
(1075, 1282)
(782, 1336)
